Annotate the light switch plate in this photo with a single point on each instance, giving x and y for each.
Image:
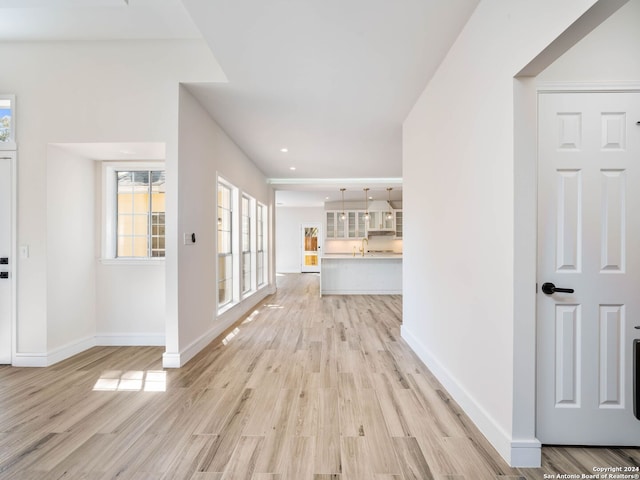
(189, 238)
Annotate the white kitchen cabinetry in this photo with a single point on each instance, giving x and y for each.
(356, 224)
(398, 215)
(335, 227)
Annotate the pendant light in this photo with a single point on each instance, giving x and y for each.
(342, 215)
(366, 203)
(389, 213)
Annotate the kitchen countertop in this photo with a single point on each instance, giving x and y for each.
(358, 256)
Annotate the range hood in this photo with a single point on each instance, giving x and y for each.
(381, 208)
(380, 233)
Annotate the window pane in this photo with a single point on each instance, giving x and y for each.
(125, 247)
(140, 213)
(140, 246)
(140, 225)
(125, 225)
(5, 120)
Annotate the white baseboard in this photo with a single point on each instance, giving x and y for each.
(231, 316)
(130, 339)
(66, 351)
(518, 453)
(54, 356)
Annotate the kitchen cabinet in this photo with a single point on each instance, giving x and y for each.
(335, 227)
(356, 224)
(398, 215)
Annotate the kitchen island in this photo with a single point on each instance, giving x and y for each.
(372, 274)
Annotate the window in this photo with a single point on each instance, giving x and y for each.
(140, 212)
(7, 122)
(133, 211)
(246, 243)
(260, 244)
(225, 250)
(241, 244)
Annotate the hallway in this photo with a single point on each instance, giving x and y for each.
(305, 388)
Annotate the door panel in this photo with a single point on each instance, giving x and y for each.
(6, 284)
(310, 247)
(588, 241)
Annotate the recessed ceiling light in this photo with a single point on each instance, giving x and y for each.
(370, 198)
(326, 198)
(292, 168)
(284, 149)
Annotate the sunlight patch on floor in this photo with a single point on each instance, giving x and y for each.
(132, 381)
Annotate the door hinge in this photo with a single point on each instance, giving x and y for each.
(536, 287)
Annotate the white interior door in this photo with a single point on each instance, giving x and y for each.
(6, 260)
(310, 247)
(588, 241)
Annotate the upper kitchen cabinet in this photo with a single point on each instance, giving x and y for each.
(398, 215)
(356, 224)
(335, 226)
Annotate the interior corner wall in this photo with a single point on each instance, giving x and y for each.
(289, 240)
(205, 152)
(75, 92)
(608, 54)
(71, 265)
(459, 191)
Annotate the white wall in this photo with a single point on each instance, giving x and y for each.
(288, 235)
(461, 306)
(66, 92)
(205, 152)
(71, 266)
(608, 54)
(130, 299)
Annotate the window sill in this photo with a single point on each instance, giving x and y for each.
(8, 146)
(133, 261)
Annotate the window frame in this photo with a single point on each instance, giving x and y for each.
(11, 143)
(110, 211)
(248, 204)
(261, 242)
(221, 307)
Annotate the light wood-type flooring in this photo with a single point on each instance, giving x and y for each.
(306, 388)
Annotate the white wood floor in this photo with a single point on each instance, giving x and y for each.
(306, 388)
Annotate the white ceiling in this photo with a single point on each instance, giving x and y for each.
(34, 20)
(330, 80)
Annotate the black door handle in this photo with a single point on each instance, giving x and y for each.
(550, 288)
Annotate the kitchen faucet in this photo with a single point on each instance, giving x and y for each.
(364, 239)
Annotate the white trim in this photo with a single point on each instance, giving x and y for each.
(130, 339)
(332, 182)
(518, 453)
(179, 359)
(587, 87)
(54, 356)
(150, 261)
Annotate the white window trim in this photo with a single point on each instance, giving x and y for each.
(108, 254)
(235, 247)
(262, 282)
(11, 144)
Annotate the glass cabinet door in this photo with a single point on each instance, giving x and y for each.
(331, 224)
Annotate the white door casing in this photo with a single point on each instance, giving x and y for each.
(589, 241)
(311, 245)
(7, 285)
